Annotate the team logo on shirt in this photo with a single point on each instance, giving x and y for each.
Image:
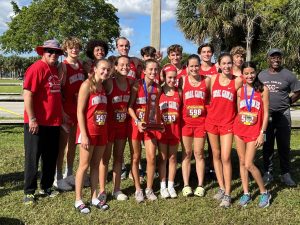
(223, 94)
(76, 77)
(54, 84)
(194, 94)
(99, 99)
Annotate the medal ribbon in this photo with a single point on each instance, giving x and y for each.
(248, 103)
(146, 91)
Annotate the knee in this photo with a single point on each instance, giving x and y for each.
(150, 159)
(242, 162)
(173, 158)
(249, 166)
(188, 154)
(135, 158)
(199, 154)
(226, 159)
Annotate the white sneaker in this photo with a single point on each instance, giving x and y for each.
(172, 192)
(139, 196)
(150, 195)
(70, 180)
(120, 196)
(63, 185)
(164, 193)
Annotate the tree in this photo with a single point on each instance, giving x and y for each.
(212, 20)
(48, 19)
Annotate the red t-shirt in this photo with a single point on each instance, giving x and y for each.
(194, 99)
(183, 72)
(42, 80)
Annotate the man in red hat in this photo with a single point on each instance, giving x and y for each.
(42, 119)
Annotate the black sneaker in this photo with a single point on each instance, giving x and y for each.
(29, 199)
(49, 192)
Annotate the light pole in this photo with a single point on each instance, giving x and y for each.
(155, 24)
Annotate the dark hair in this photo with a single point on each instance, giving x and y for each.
(206, 45)
(257, 84)
(193, 56)
(145, 64)
(148, 50)
(222, 55)
(112, 59)
(92, 44)
(174, 48)
(119, 57)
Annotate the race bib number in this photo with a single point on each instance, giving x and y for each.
(248, 118)
(100, 117)
(120, 116)
(140, 113)
(194, 111)
(170, 117)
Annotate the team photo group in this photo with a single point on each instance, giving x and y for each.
(101, 104)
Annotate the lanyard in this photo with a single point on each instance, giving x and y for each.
(146, 91)
(248, 104)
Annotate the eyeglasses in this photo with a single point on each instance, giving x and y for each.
(52, 51)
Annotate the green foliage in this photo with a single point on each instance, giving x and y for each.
(48, 19)
(260, 25)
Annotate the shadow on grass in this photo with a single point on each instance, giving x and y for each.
(15, 180)
(11, 221)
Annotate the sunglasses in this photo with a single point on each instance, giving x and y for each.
(52, 51)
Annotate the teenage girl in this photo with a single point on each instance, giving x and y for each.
(136, 109)
(118, 94)
(92, 134)
(170, 107)
(195, 92)
(219, 124)
(72, 76)
(249, 130)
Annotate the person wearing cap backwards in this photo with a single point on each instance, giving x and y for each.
(42, 120)
(281, 83)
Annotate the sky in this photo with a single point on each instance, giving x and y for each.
(134, 21)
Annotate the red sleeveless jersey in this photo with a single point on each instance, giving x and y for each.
(96, 113)
(249, 123)
(194, 111)
(171, 115)
(74, 79)
(141, 101)
(183, 72)
(117, 105)
(210, 72)
(222, 108)
(132, 72)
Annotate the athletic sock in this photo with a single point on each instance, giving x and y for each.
(170, 184)
(78, 203)
(163, 185)
(95, 201)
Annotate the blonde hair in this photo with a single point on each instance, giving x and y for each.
(71, 42)
(238, 50)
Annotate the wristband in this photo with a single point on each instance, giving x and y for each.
(136, 121)
(33, 119)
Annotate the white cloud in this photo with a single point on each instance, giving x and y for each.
(127, 31)
(143, 7)
(5, 13)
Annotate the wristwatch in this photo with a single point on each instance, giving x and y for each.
(33, 119)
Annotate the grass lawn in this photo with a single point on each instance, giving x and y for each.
(11, 89)
(11, 81)
(284, 209)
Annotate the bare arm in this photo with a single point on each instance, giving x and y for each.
(83, 97)
(265, 98)
(133, 94)
(238, 99)
(28, 104)
(295, 97)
